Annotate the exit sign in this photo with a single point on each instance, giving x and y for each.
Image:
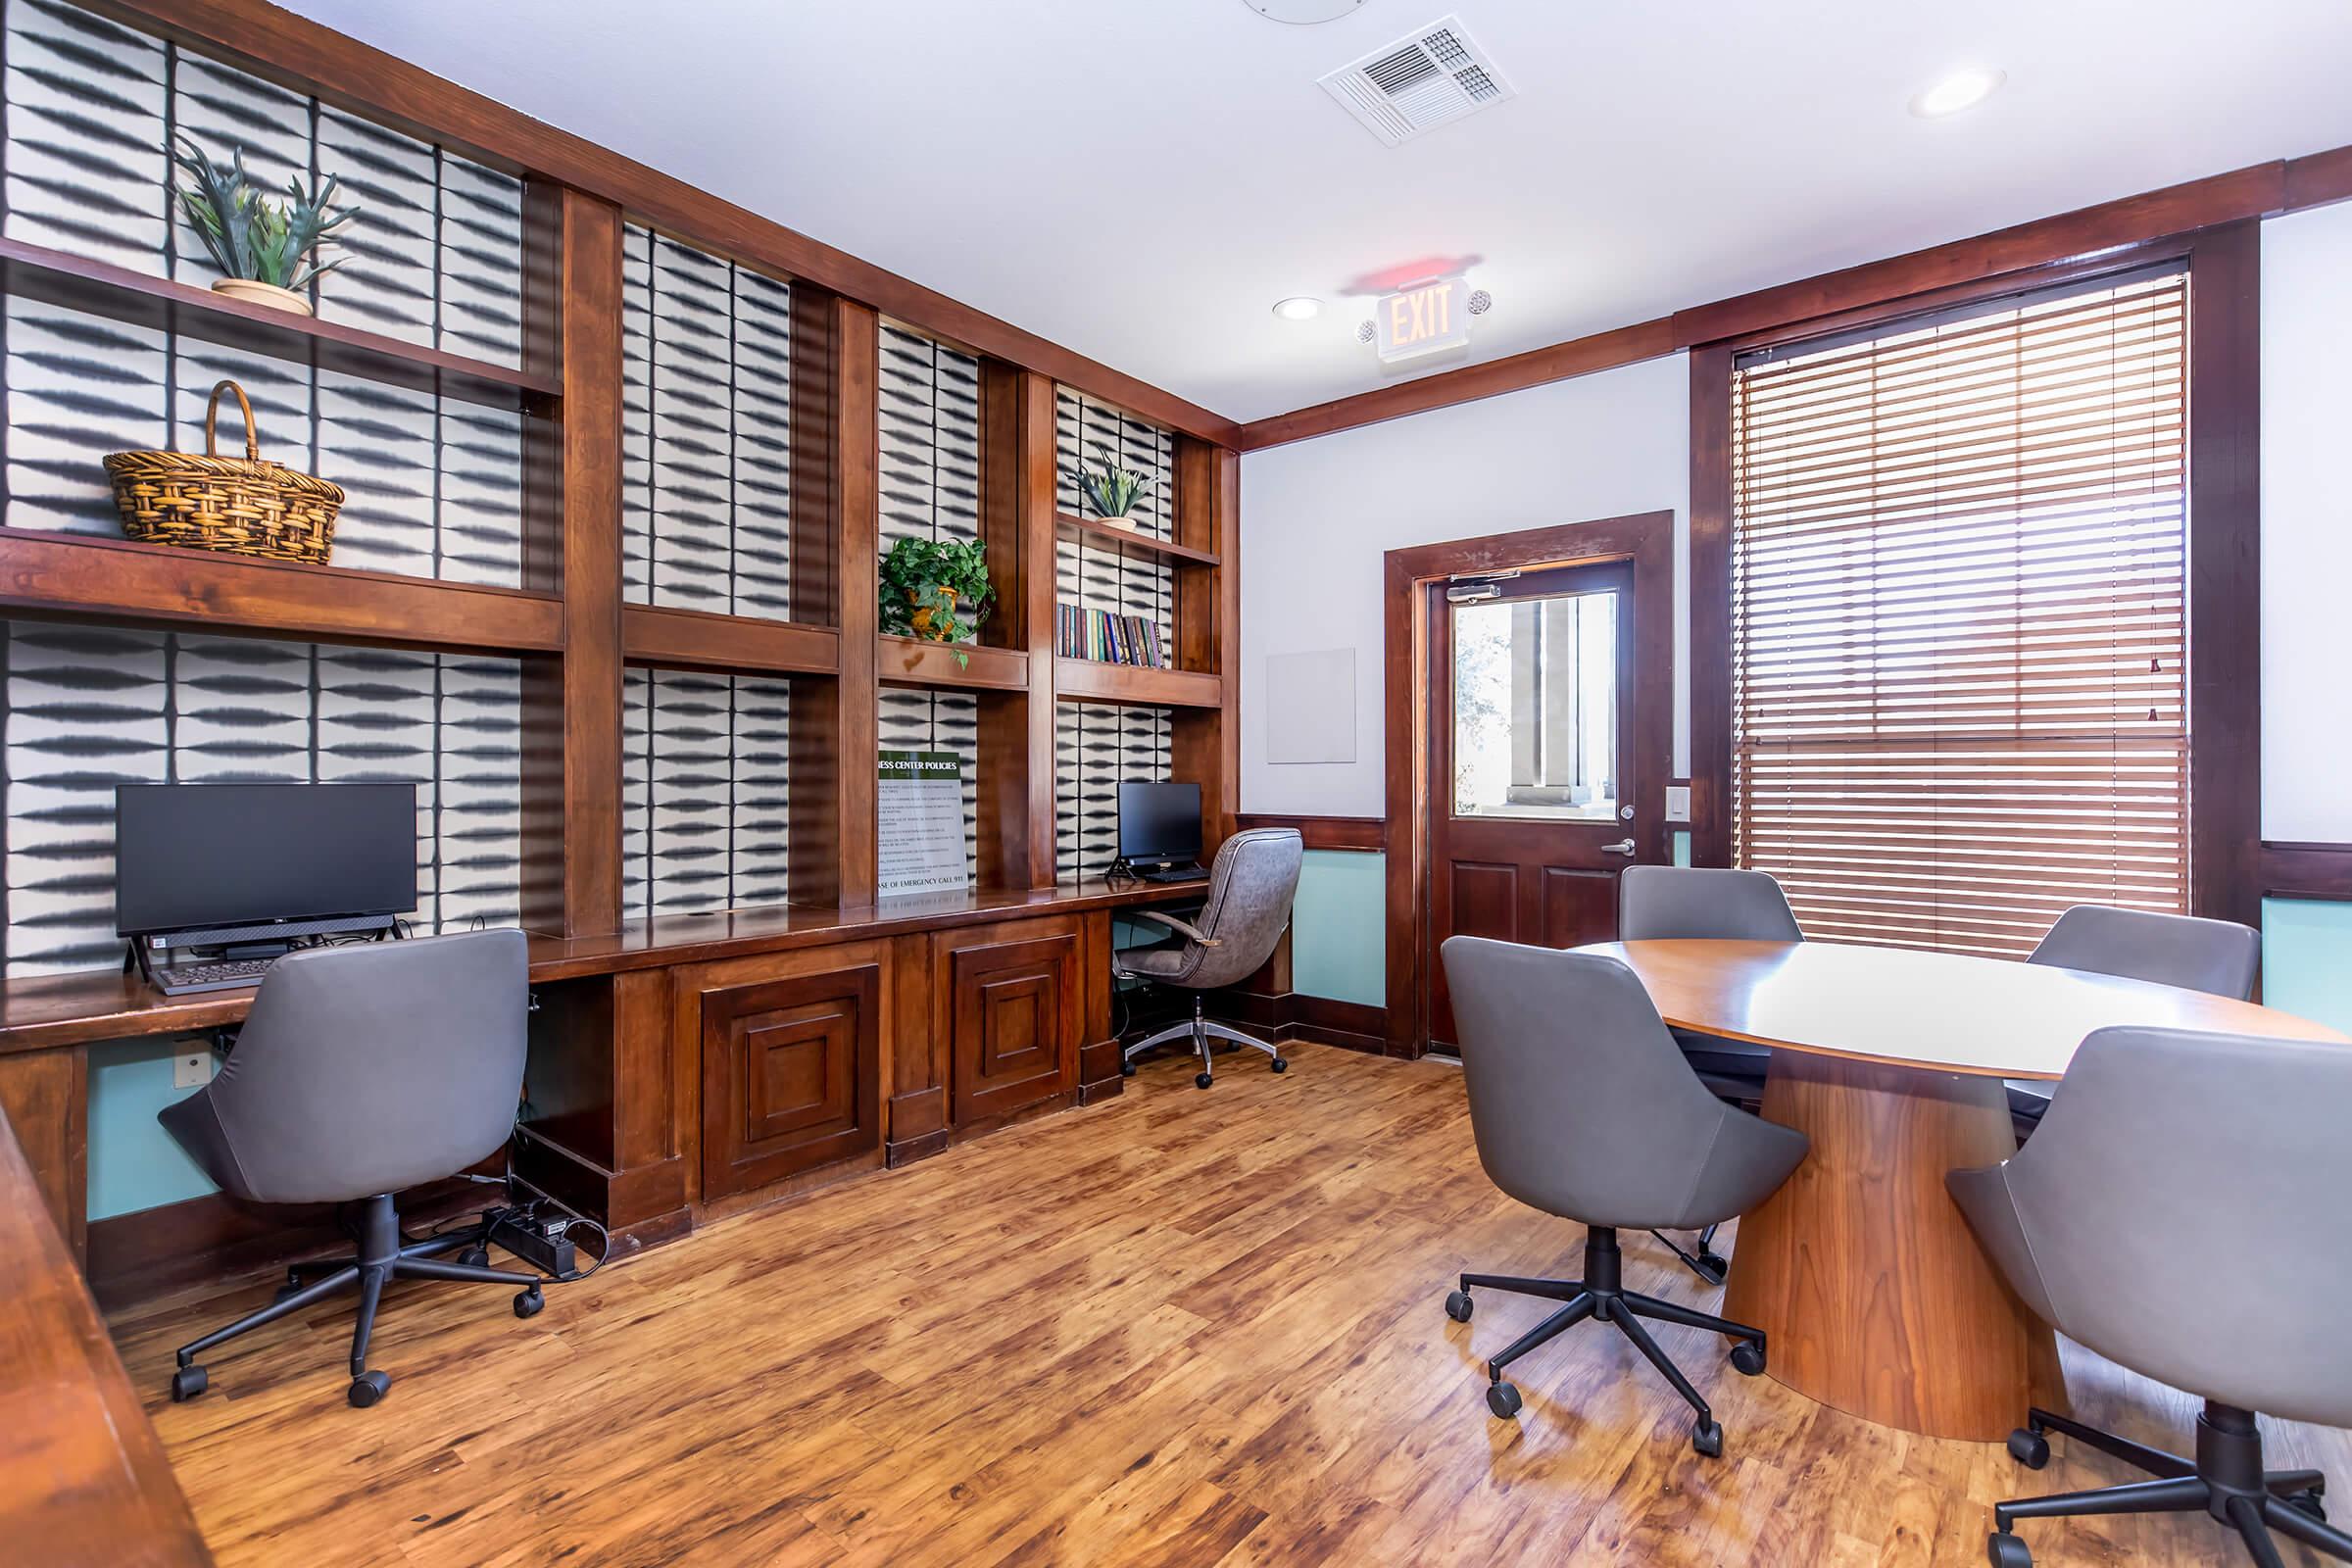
(1422, 319)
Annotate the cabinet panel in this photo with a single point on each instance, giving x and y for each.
(791, 1075)
(1013, 1021)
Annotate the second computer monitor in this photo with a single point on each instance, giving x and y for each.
(1159, 825)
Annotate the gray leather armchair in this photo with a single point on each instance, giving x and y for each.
(1583, 1106)
(2163, 1217)
(363, 1070)
(1251, 885)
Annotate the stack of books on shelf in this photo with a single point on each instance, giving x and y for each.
(1108, 639)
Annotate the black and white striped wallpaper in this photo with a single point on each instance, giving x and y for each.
(87, 708)
(703, 792)
(706, 431)
(434, 259)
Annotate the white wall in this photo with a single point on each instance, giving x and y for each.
(1317, 516)
(2306, 526)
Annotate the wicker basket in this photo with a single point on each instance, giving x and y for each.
(241, 505)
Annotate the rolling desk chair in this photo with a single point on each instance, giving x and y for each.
(1250, 890)
(1581, 1106)
(2163, 1217)
(363, 1070)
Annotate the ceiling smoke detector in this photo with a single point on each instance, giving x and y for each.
(1433, 76)
(1302, 12)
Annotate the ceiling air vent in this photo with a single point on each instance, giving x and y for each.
(1436, 74)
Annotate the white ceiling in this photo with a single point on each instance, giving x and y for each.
(1141, 179)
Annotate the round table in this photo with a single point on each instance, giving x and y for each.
(1861, 1271)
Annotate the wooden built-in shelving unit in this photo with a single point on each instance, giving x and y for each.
(914, 662)
(1128, 541)
(1095, 680)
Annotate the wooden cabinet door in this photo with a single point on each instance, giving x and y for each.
(792, 1076)
(1013, 1021)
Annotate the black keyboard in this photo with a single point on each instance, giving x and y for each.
(222, 976)
(1187, 873)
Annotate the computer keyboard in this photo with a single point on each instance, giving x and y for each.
(220, 975)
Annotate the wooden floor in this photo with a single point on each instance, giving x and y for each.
(1182, 1328)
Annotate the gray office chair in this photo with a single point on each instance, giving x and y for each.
(363, 1070)
(2219, 957)
(1681, 903)
(1251, 885)
(2163, 1217)
(1583, 1108)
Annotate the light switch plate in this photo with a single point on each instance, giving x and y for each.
(191, 1069)
(1678, 802)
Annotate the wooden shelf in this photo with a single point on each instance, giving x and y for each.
(1095, 531)
(119, 294)
(122, 583)
(914, 662)
(1088, 681)
(698, 639)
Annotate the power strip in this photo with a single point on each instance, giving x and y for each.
(540, 1243)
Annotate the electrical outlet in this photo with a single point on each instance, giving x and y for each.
(192, 1070)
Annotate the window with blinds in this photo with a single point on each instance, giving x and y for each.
(1959, 629)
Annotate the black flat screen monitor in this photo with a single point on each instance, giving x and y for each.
(191, 856)
(1160, 822)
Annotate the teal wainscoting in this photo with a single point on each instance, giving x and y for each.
(1339, 927)
(133, 1162)
(2307, 959)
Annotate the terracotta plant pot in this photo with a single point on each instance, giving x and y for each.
(253, 292)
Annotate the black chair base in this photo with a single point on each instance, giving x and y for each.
(2225, 1480)
(1198, 1031)
(1601, 1295)
(381, 1256)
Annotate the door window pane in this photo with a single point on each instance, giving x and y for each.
(1535, 708)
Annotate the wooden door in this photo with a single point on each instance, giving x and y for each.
(791, 1075)
(1532, 756)
(1013, 1019)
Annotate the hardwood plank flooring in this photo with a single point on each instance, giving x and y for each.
(1182, 1329)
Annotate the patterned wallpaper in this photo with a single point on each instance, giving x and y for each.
(703, 792)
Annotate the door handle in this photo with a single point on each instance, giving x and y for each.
(1621, 847)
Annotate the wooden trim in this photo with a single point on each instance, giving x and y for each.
(2305, 870)
(1108, 536)
(294, 50)
(2260, 190)
(1646, 539)
(1325, 832)
(698, 639)
(1094, 680)
(1710, 605)
(915, 662)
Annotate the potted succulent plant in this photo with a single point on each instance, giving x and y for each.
(936, 589)
(1112, 490)
(258, 244)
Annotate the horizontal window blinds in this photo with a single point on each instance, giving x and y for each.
(1959, 619)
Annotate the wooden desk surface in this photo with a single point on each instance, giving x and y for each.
(83, 1479)
(1939, 1010)
(52, 1010)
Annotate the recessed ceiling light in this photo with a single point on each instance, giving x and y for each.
(1298, 307)
(1962, 89)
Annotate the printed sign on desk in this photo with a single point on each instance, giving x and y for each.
(920, 805)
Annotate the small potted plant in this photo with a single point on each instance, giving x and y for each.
(1112, 490)
(258, 244)
(937, 589)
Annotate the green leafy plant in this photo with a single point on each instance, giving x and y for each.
(250, 235)
(1112, 490)
(937, 589)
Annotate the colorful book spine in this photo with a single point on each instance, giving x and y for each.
(1107, 638)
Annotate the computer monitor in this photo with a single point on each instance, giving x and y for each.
(217, 856)
(1159, 823)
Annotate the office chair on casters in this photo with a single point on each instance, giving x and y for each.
(1581, 1106)
(2236, 1143)
(1251, 886)
(363, 1070)
(1681, 904)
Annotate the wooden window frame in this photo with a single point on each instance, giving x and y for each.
(2226, 876)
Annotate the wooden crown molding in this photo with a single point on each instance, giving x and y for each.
(2261, 190)
(280, 46)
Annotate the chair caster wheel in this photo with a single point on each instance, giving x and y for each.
(1712, 1267)
(1281, 1065)
(367, 1387)
(1503, 1399)
(1126, 1069)
(1203, 1080)
(476, 1258)
(2004, 1550)
(1748, 1358)
(1707, 1439)
(1459, 1306)
(188, 1383)
(2029, 1447)
(2308, 1501)
(528, 1303)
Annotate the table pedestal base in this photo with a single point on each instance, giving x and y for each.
(1872, 1289)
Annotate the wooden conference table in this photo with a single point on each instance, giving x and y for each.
(1861, 1271)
